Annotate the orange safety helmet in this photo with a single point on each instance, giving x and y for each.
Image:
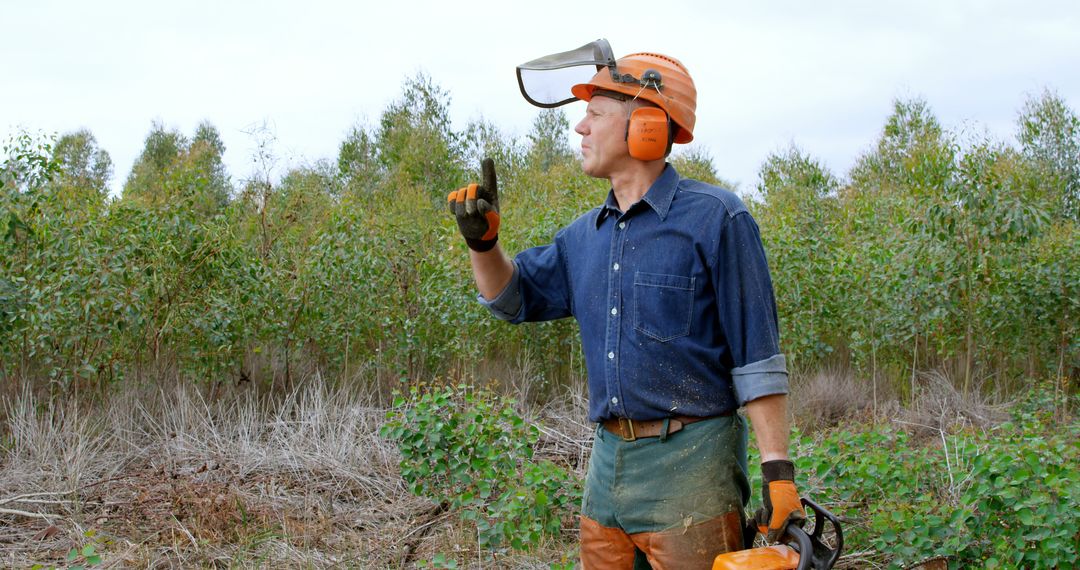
(659, 79)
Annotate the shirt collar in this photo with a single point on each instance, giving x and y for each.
(659, 196)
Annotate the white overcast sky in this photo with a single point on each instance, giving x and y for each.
(822, 75)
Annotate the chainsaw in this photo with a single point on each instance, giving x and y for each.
(801, 550)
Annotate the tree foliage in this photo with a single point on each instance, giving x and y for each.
(925, 258)
(931, 252)
(83, 164)
(1049, 134)
(173, 170)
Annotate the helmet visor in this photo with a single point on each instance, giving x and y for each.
(546, 82)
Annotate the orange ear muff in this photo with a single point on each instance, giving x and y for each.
(647, 134)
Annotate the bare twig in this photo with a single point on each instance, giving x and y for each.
(24, 498)
(45, 502)
(46, 516)
(948, 463)
(186, 532)
(103, 481)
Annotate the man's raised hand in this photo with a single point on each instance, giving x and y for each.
(476, 208)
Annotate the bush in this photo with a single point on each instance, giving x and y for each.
(1007, 497)
(469, 451)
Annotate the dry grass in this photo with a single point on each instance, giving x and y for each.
(832, 396)
(167, 479)
(939, 406)
(826, 397)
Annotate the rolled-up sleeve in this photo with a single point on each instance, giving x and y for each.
(507, 304)
(748, 312)
(758, 379)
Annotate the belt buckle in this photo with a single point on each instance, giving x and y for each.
(627, 425)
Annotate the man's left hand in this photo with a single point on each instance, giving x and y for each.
(782, 505)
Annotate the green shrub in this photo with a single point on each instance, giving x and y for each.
(471, 452)
(1023, 500)
(1007, 497)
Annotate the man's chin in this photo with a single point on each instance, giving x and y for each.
(589, 170)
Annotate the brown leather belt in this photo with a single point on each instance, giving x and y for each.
(630, 430)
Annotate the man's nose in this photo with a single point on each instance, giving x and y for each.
(580, 128)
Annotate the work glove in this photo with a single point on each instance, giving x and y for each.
(476, 208)
(782, 505)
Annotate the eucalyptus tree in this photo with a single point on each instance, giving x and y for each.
(175, 171)
(548, 144)
(82, 163)
(1049, 134)
(799, 229)
(415, 143)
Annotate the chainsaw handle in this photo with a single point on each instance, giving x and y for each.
(813, 553)
(803, 545)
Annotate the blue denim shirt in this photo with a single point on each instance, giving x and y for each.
(673, 299)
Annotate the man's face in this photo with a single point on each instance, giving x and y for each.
(603, 137)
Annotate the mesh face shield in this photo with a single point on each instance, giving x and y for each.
(546, 82)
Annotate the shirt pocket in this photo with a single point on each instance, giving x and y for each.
(663, 305)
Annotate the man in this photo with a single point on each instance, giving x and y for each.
(669, 284)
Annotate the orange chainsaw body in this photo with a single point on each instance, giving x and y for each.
(778, 557)
(801, 551)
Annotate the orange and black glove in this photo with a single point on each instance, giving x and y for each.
(782, 504)
(476, 208)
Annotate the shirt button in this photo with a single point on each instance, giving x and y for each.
(622, 225)
(614, 311)
(611, 356)
(614, 400)
(615, 267)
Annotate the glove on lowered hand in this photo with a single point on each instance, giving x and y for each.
(782, 504)
(477, 210)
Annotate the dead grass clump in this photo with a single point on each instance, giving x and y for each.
(55, 445)
(937, 405)
(168, 479)
(565, 432)
(829, 396)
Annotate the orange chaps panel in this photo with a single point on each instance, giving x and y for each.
(684, 548)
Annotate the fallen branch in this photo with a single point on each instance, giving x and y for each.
(46, 516)
(436, 514)
(46, 501)
(22, 498)
(109, 480)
